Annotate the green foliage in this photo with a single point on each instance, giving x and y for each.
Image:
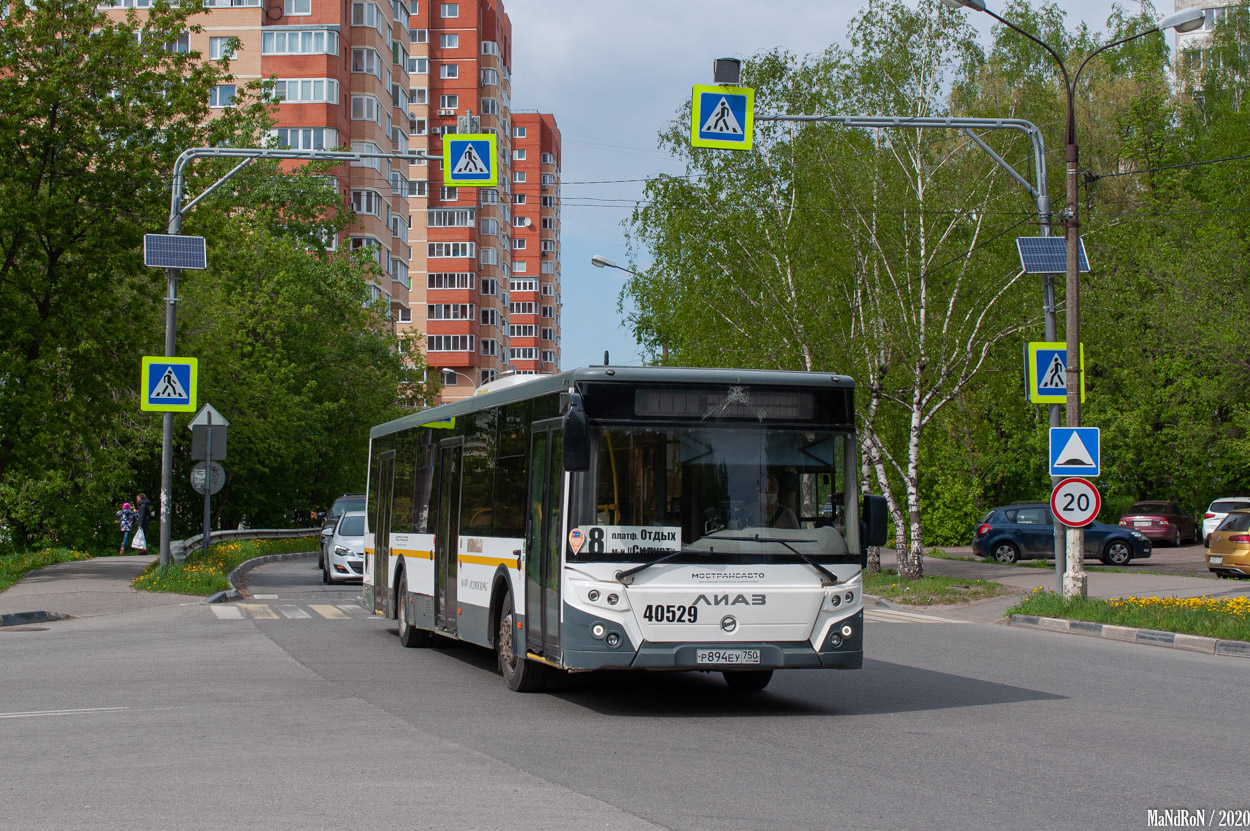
(930, 589)
(201, 574)
(1227, 619)
(93, 113)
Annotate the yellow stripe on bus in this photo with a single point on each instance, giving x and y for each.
(510, 562)
(420, 555)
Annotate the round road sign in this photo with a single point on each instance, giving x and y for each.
(200, 473)
(1075, 502)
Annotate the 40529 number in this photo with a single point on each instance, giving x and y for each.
(671, 614)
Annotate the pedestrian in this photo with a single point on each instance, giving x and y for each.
(126, 517)
(144, 508)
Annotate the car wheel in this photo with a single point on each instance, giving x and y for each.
(325, 573)
(519, 673)
(1176, 538)
(748, 680)
(1005, 552)
(409, 635)
(1117, 553)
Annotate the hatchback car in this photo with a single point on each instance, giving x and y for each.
(1217, 511)
(1162, 521)
(1026, 531)
(345, 558)
(346, 502)
(1230, 545)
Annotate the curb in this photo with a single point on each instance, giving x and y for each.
(877, 601)
(243, 568)
(1173, 640)
(23, 618)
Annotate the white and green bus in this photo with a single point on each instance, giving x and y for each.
(648, 518)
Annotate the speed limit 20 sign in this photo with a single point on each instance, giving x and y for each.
(1075, 502)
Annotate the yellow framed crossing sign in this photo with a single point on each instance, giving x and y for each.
(1045, 367)
(722, 117)
(470, 160)
(168, 385)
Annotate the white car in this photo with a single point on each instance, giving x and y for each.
(345, 551)
(1216, 513)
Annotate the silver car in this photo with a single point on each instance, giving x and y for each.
(1216, 513)
(345, 551)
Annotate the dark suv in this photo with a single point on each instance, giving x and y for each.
(346, 502)
(1026, 531)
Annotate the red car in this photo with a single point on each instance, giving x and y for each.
(1161, 521)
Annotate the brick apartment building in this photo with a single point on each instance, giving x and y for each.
(394, 76)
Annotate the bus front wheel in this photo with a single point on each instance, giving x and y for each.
(519, 673)
(748, 680)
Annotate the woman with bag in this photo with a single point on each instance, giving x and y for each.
(144, 510)
(126, 517)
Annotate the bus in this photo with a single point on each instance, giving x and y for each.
(652, 518)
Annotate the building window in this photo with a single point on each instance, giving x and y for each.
(526, 331)
(449, 41)
(367, 202)
(518, 244)
(449, 70)
(548, 179)
(307, 90)
(490, 317)
(490, 286)
(525, 353)
(299, 42)
(548, 267)
(449, 194)
(548, 201)
(418, 35)
(368, 14)
(298, 7)
(548, 246)
(490, 106)
(489, 255)
(219, 48)
(490, 227)
(449, 343)
(548, 223)
(548, 158)
(181, 46)
(490, 347)
(518, 155)
(450, 249)
(451, 311)
(366, 61)
(221, 95)
(489, 47)
(518, 175)
(366, 108)
(518, 132)
(489, 196)
(405, 316)
(418, 66)
(549, 311)
(450, 218)
(490, 78)
(418, 126)
(549, 356)
(306, 138)
(548, 290)
(451, 280)
(449, 10)
(549, 334)
(523, 285)
(418, 189)
(419, 95)
(448, 102)
(522, 308)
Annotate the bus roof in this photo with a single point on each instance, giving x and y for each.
(544, 384)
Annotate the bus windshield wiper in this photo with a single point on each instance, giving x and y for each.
(831, 579)
(624, 576)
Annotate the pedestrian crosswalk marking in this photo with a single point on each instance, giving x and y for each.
(329, 612)
(265, 611)
(293, 612)
(227, 612)
(896, 616)
(258, 611)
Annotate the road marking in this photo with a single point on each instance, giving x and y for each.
(896, 616)
(330, 612)
(265, 596)
(40, 713)
(227, 612)
(293, 612)
(258, 611)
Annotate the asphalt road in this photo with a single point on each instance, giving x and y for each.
(193, 716)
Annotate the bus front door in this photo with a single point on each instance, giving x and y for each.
(380, 518)
(447, 534)
(543, 540)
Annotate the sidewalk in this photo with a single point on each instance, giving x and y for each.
(99, 586)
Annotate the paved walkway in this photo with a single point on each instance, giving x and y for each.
(99, 586)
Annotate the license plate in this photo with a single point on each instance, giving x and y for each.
(1216, 561)
(1139, 523)
(728, 656)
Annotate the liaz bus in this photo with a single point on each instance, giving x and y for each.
(648, 518)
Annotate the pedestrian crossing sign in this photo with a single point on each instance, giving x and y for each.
(470, 160)
(1046, 365)
(168, 385)
(722, 117)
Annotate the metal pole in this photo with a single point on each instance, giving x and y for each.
(1075, 578)
(208, 482)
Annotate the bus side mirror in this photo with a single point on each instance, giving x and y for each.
(576, 436)
(872, 523)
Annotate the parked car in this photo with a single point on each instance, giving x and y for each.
(346, 502)
(1230, 545)
(1026, 531)
(1217, 511)
(345, 558)
(1162, 521)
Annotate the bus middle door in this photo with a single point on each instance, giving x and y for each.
(447, 533)
(543, 539)
(383, 488)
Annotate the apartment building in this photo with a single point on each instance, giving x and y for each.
(391, 77)
(1214, 11)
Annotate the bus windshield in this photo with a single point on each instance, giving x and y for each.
(716, 489)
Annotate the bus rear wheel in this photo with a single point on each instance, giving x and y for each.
(409, 635)
(519, 673)
(748, 680)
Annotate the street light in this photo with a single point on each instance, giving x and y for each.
(1074, 579)
(600, 261)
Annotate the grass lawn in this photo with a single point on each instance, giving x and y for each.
(204, 575)
(14, 565)
(1227, 619)
(929, 590)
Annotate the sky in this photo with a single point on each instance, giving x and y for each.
(614, 75)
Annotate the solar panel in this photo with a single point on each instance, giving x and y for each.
(170, 251)
(1048, 255)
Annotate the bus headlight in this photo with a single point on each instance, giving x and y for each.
(597, 630)
(613, 640)
(846, 631)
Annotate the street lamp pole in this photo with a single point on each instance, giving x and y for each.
(600, 261)
(1074, 578)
